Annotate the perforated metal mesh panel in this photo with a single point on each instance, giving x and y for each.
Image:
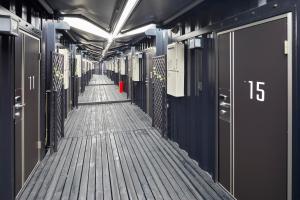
(160, 94)
(57, 100)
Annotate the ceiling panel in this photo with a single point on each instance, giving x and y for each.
(105, 13)
(99, 12)
(128, 39)
(95, 42)
(156, 11)
(87, 36)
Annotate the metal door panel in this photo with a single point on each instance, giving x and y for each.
(260, 111)
(19, 101)
(31, 118)
(259, 57)
(149, 81)
(225, 137)
(144, 83)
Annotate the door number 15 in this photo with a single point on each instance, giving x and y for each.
(256, 87)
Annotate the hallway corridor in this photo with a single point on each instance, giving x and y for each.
(111, 151)
(150, 99)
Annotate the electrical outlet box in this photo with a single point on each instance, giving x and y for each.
(195, 43)
(78, 65)
(136, 68)
(66, 54)
(84, 66)
(111, 66)
(123, 66)
(175, 70)
(87, 66)
(108, 65)
(9, 26)
(116, 66)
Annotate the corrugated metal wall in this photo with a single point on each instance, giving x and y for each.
(191, 118)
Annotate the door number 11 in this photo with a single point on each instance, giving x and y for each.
(257, 88)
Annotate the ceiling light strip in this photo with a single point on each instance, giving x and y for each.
(137, 31)
(86, 26)
(128, 9)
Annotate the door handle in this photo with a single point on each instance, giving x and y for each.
(17, 98)
(33, 82)
(224, 104)
(19, 106)
(223, 112)
(17, 114)
(30, 86)
(223, 97)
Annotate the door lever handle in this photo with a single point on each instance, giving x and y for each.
(223, 112)
(17, 98)
(224, 104)
(19, 106)
(223, 97)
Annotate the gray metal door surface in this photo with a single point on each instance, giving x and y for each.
(149, 81)
(129, 76)
(259, 60)
(260, 111)
(31, 111)
(225, 135)
(19, 106)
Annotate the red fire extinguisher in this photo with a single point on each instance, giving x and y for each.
(121, 86)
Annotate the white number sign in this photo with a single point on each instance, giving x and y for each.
(260, 92)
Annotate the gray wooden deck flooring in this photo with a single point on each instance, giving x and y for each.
(111, 152)
(100, 80)
(102, 92)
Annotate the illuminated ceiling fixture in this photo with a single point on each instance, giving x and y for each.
(86, 26)
(106, 48)
(137, 31)
(129, 7)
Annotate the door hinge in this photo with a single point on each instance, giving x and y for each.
(286, 47)
(39, 144)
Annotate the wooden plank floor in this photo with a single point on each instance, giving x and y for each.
(102, 92)
(100, 80)
(111, 152)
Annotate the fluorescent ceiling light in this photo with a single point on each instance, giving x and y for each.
(93, 29)
(107, 47)
(130, 5)
(86, 26)
(129, 33)
(137, 31)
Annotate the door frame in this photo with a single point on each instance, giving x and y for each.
(289, 17)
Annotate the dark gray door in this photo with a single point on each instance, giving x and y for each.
(260, 111)
(129, 76)
(149, 82)
(253, 124)
(31, 112)
(19, 105)
(225, 137)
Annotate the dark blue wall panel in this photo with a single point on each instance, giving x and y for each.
(191, 118)
(6, 117)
